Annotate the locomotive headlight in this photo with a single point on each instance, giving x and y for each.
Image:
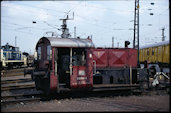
(90, 55)
(81, 72)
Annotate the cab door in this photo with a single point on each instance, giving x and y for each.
(54, 85)
(82, 66)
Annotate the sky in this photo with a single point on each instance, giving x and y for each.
(101, 19)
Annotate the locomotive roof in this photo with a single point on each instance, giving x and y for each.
(156, 44)
(68, 42)
(8, 47)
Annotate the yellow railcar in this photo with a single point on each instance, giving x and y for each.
(156, 53)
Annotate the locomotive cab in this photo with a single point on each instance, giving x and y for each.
(63, 63)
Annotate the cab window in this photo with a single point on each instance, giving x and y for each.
(79, 57)
(39, 53)
(48, 52)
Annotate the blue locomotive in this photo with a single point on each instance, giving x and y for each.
(12, 57)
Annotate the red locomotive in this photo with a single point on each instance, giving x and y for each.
(63, 63)
(74, 63)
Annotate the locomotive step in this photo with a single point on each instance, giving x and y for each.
(62, 85)
(118, 87)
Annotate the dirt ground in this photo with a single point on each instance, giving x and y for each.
(151, 103)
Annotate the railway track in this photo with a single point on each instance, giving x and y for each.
(16, 87)
(21, 84)
(21, 98)
(15, 81)
(13, 72)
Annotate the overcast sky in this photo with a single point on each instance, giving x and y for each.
(101, 19)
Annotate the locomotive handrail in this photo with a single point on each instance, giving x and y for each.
(70, 66)
(94, 67)
(56, 70)
(130, 75)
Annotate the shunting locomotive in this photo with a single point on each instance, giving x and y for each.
(74, 63)
(11, 57)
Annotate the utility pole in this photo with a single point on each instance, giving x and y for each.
(163, 37)
(0, 53)
(169, 19)
(75, 32)
(91, 37)
(136, 28)
(15, 41)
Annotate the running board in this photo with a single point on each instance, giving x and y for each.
(106, 87)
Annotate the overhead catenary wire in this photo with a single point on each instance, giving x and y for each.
(91, 22)
(55, 10)
(63, 11)
(20, 31)
(42, 8)
(32, 12)
(47, 9)
(22, 26)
